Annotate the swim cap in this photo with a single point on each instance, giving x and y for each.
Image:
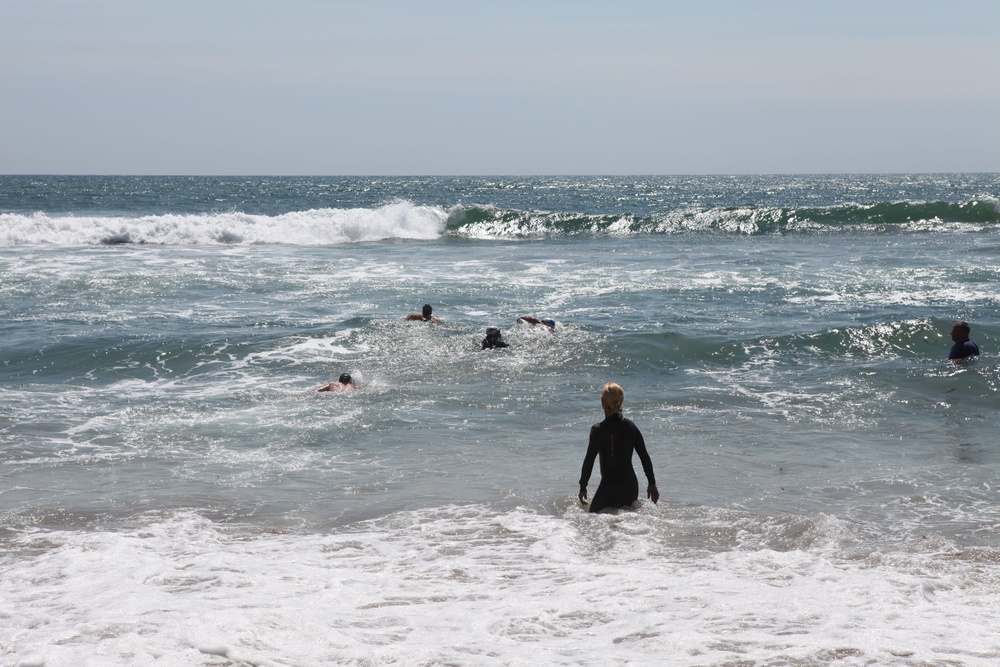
(345, 378)
(549, 323)
(427, 310)
(492, 332)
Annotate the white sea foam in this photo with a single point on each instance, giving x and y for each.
(401, 220)
(312, 349)
(464, 585)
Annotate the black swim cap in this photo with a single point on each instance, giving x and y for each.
(427, 310)
(345, 378)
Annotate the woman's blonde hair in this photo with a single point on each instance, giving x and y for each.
(612, 397)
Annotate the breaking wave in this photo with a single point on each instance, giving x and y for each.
(489, 222)
(404, 220)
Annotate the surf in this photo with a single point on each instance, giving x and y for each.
(313, 227)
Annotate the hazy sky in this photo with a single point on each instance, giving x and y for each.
(367, 87)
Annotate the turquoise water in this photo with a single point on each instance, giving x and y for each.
(827, 476)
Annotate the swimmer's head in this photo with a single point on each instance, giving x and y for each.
(612, 398)
(345, 378)
(427, 310)
(549, 323)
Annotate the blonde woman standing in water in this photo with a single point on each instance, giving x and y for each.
(614, 439)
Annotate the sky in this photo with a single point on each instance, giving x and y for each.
(519, 87)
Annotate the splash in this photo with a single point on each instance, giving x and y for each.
(316, 227)
(883, 217)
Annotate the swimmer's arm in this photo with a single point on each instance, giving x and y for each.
(647, 467)
(593, 447)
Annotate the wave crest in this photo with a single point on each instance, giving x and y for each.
(490, 222)
(408, 221)
(399, 220)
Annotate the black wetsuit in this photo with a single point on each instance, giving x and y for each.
(489, 343)
(964, 350)
(615, 439)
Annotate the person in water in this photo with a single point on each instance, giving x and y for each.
(534, 321)
(963, 348)
(493, 339)
(424, 315)
(343, 384)
(614, 440)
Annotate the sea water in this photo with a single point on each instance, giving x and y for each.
(173, 490)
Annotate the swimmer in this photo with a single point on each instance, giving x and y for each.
(493, 339)
(614, 439)
(963, 348)
(423, 316)
(343, 384)
(534, 321)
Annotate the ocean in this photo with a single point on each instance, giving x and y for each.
(173, 490)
